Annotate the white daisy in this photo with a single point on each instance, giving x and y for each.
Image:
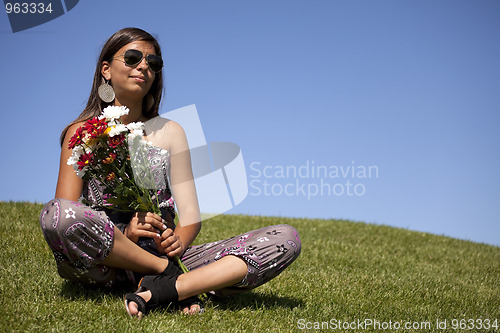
(75, 155)
(117, 130)
(136, 129)
(114, 112)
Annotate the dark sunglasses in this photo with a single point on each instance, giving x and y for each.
(133, 57)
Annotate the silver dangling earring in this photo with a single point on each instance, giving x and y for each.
(150, 101)
(106, 92)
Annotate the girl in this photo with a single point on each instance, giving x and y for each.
(107, 248)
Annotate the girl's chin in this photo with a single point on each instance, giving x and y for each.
(132, 94)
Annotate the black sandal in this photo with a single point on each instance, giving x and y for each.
(163, 291)
(190, 301)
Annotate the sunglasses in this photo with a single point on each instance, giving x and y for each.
(133, 57)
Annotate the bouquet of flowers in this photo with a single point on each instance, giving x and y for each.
(104, 148)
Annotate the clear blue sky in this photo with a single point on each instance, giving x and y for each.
(411, 88)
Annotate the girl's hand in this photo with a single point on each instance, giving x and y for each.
(145, 224)
(171, 243)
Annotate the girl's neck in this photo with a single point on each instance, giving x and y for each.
(135, 111)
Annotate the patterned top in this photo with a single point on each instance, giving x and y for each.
(159, 160)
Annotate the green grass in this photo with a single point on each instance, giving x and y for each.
(347, 271)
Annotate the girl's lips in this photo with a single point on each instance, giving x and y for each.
(139, 78)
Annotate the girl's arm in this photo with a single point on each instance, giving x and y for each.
(69, 185)
(183, 188)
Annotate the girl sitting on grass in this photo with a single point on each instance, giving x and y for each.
(105, 248)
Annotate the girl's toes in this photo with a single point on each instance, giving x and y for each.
(195, 309)
(132, 307)
(192, 310)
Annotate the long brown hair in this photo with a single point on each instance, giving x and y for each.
(121, 38)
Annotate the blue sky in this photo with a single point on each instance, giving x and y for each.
(408, 87)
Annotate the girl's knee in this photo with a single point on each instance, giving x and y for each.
(76, 231)
(286, 238)
(57, 214)
(292, 235)
(61, 218)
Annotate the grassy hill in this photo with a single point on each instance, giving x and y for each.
(350, 277)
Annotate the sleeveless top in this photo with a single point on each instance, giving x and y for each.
(159, 160)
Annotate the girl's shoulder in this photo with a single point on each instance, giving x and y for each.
(75, 126)
(162, 125)
(163, 132)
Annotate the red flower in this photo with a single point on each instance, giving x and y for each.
(85, 159)
(117, 140)
(110, 159)
(76, 139)
(95, 127)
(111, 176)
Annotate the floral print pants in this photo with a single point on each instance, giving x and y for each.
(80, 238)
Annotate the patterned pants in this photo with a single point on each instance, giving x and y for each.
(81, 238)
